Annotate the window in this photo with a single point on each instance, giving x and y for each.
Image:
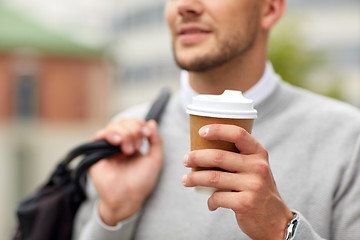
(25, 94)
(139, 18)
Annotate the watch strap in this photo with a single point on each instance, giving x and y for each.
(291, 228)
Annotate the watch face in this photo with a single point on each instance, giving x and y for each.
(291, 229)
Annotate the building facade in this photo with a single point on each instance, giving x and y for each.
(54, 94)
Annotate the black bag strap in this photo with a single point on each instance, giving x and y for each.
(100, 149)
(158, 106)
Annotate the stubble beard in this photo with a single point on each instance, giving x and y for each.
(232, 47)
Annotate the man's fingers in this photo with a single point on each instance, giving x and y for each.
(131, 134)
(243, 140)
(100, 134)
(128, 133)
(215, 158)
(231, 200)
(114, 138)
(155, 141)
(216, 179)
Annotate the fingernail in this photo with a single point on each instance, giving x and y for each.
(186, 160)
(129, 147)
(139, 143)
(98, 134)
(146, 131)
(184, 178)
(116, 138)
(204, 131)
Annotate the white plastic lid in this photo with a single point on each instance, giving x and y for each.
(230, 104)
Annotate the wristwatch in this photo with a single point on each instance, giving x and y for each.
(291, 228)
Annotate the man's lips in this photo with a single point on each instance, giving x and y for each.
(189, 35)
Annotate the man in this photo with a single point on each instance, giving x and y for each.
(298, 173)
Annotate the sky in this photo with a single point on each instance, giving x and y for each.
(89, 20)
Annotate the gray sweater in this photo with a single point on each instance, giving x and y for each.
(314, 148)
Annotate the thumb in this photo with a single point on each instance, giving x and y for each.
(155, 141)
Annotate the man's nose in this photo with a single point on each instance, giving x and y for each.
(190, 8)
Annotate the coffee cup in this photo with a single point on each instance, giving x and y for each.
(231, 107)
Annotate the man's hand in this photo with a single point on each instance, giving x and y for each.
(251, 190)
(125, 180)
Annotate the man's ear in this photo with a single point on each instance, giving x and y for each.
(273, 10)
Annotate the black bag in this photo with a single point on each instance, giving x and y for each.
(49, 213)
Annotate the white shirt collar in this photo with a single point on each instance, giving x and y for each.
(260, 91)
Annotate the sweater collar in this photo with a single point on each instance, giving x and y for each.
(258, 93)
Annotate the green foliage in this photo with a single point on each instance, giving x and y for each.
(293, 59)
(290, 56)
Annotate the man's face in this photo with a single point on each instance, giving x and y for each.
(209, 33)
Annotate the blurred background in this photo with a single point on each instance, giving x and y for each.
(67, 66)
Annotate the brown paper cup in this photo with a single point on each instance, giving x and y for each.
(197, 142)
(231, 107)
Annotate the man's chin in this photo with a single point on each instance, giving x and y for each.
(191, 67)
(192, 64)
(199, 65)
(188, 59)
